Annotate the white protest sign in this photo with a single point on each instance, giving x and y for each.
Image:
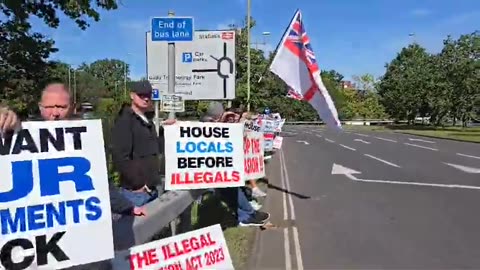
(253, 149)
(54, 195)
(201, 249)
(203, 155)
(277, 142)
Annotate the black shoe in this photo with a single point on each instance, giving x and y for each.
(263, 216)
(252, 222)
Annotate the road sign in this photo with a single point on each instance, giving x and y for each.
(172, 29)
(172, 103)
(205, 68)
(155, 94)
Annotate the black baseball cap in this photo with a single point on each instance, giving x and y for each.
(141, 88)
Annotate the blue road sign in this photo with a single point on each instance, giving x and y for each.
(155, 94)
(187, 57)
(172, 29)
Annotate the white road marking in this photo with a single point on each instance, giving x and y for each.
(296, 240)
(421, 146)
(348, 147)
(360, 140)
(319, 136)
(286, 246)
(381, 160)
(348, 132)
(287, 185)
(420, 140)
(363, 135)
(464, 168)
(284, 194)
(469, 156)
(349, 173)
(328, 140)
(298, 253)
(305, 142)
(385, 139)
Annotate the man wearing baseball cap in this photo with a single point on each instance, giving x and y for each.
(137, 147)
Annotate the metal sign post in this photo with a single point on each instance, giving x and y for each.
(171, 29)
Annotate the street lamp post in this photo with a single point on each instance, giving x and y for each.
(248, 52)
(75, 89)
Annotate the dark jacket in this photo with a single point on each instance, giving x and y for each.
(118, 202)
(135, 143)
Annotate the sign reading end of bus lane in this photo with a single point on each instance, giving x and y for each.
(172, 29)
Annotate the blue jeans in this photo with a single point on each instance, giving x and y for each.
(236, 199)
(139, 198)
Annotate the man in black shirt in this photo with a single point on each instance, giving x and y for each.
(136, 147)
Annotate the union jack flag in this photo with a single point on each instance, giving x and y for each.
(295, 63)
(298, 43)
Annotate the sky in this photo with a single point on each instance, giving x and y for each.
(353, 37)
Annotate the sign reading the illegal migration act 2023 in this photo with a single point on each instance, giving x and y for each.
(54, 196)
(205, 248)
(205, 67)
(203, 155)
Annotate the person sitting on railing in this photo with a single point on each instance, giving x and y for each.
(55, 105)
(135, 140)
(235, 197)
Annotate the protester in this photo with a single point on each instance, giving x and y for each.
(55, 105)
(137, 148)
(241, 117)
(235, 197)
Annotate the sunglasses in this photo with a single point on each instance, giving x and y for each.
(145, 96)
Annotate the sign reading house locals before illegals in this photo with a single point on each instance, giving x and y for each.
(205, 67)
(253, 145)
(205, 248)
(203, 155)
(54, 195)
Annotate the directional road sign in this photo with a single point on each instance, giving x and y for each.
(205, 68)
(155, 94)
(172, 29)
(172, 103)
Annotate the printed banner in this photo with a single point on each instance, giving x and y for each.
(268, 126)
(253, 149)
(55, 204)
(268, 145)
(277, 142)
(201, 249)
(203, 155)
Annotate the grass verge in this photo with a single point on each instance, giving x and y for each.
(239, 239)
(470, 134)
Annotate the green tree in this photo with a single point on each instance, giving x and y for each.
(23, 54)
(112, 72)
(404, 86)
(365, 82)
(460, 62)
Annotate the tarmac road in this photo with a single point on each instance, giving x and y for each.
(371, 200)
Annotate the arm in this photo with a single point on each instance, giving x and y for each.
(118, 203)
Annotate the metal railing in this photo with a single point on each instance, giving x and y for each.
(366, 122)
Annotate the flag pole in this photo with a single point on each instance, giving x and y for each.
(248, 54)
(278, 44)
